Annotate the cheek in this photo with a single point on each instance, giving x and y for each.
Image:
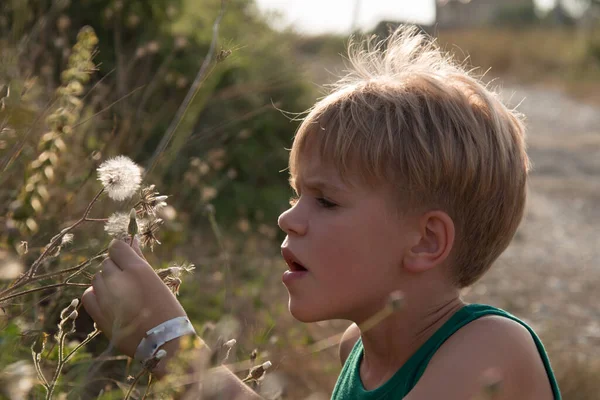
(349, 249)
(371, 246)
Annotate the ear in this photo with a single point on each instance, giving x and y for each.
(433, 244)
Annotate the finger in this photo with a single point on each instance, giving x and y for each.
(100, 289)
(124, 256)
(109, 268)
(90, 303)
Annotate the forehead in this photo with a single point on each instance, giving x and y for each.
(314, 171)
(330, 146)
(315, 157)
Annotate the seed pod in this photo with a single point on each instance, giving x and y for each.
(257, 372)
(152, 362)
(40, 343)
(68, 324)
(160, 354)
(132, 230)
(66, 312)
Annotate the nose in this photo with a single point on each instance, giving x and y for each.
(292, 222)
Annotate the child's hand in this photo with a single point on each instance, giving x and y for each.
(127, 298)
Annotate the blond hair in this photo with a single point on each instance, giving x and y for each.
(407, 115)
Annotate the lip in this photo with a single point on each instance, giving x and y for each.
(291, 259)
(292, 274)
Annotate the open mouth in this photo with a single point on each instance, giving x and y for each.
(293, 264)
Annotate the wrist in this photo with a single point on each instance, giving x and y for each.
(159, 335)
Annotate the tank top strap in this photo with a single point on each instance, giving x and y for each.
(349, 384)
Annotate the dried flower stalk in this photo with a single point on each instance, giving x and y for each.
(41, 171)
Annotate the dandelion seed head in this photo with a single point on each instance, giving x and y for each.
(23, 248)
(151, 202)
(66, 239)
(173, 284)
(148, 229)
(395, 300)
(120, 176)
(117, 225)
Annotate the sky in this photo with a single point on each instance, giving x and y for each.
(318, 16)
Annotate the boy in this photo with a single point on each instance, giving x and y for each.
(411, 176)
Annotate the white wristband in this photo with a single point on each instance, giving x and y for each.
(160, 335)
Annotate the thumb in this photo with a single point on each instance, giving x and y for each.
(136, 248)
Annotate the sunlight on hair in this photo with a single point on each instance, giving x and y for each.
(407, 116)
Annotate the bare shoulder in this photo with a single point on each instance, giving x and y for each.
(491, 343)
(348, 341)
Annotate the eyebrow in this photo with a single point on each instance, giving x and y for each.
(321, 184)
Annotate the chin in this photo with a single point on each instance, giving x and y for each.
(308, 313)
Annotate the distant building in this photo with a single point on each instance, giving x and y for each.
(473, 13)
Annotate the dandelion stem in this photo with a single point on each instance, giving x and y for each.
(393, 304)
(376, 319)
(38, 369)
(28, 277)
(59, 366)
(85, 341)
(96, 219)
(76, 268)
(12, 296)
(89, 207)
(150, 382)
(135, 381)
(58, 237)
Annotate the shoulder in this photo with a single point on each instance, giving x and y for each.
(491, 344)
(348, 341)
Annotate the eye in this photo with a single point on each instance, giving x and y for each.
(325, 203)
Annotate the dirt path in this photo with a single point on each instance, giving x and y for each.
(550, 272)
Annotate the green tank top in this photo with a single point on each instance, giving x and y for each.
(349, 385)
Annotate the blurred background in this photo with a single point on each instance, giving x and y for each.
(224, 163)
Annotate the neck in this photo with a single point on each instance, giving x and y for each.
(389, 344)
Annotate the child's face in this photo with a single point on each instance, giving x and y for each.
(350, 241)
